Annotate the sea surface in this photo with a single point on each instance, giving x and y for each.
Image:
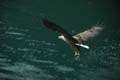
(30, 51)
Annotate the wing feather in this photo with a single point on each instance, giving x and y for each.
(54, 27)
(90, 33)
(57, 28)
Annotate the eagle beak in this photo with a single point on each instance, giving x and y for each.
(61, 37)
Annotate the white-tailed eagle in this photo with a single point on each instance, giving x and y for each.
(73, 41)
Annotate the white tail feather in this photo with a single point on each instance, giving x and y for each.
(84, 46)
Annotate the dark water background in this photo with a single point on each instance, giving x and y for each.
(28, 51)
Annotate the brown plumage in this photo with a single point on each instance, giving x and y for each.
(87, 34)
(73, 41)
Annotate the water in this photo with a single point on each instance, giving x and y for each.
(29, 51)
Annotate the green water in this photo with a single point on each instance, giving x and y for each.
(29, 51)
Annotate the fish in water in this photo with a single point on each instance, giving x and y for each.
(73, 41)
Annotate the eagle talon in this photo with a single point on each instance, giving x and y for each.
(77, 54)
(77, 57)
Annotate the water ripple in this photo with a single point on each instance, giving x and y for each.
(64, 68)
(26, 71)
(14, 33)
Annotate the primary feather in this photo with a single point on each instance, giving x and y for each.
(90, 33)
(58, 29)
(54, 27)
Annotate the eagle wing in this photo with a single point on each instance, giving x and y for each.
(54, 27)
(87, 34)
(57, 28)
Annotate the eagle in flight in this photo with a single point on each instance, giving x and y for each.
(73, 41)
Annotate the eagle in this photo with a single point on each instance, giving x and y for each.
(75, 41)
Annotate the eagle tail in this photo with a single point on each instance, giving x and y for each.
(84, 46)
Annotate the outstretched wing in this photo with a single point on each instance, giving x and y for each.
(58, 29)
(90, 33)
(55, 27)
